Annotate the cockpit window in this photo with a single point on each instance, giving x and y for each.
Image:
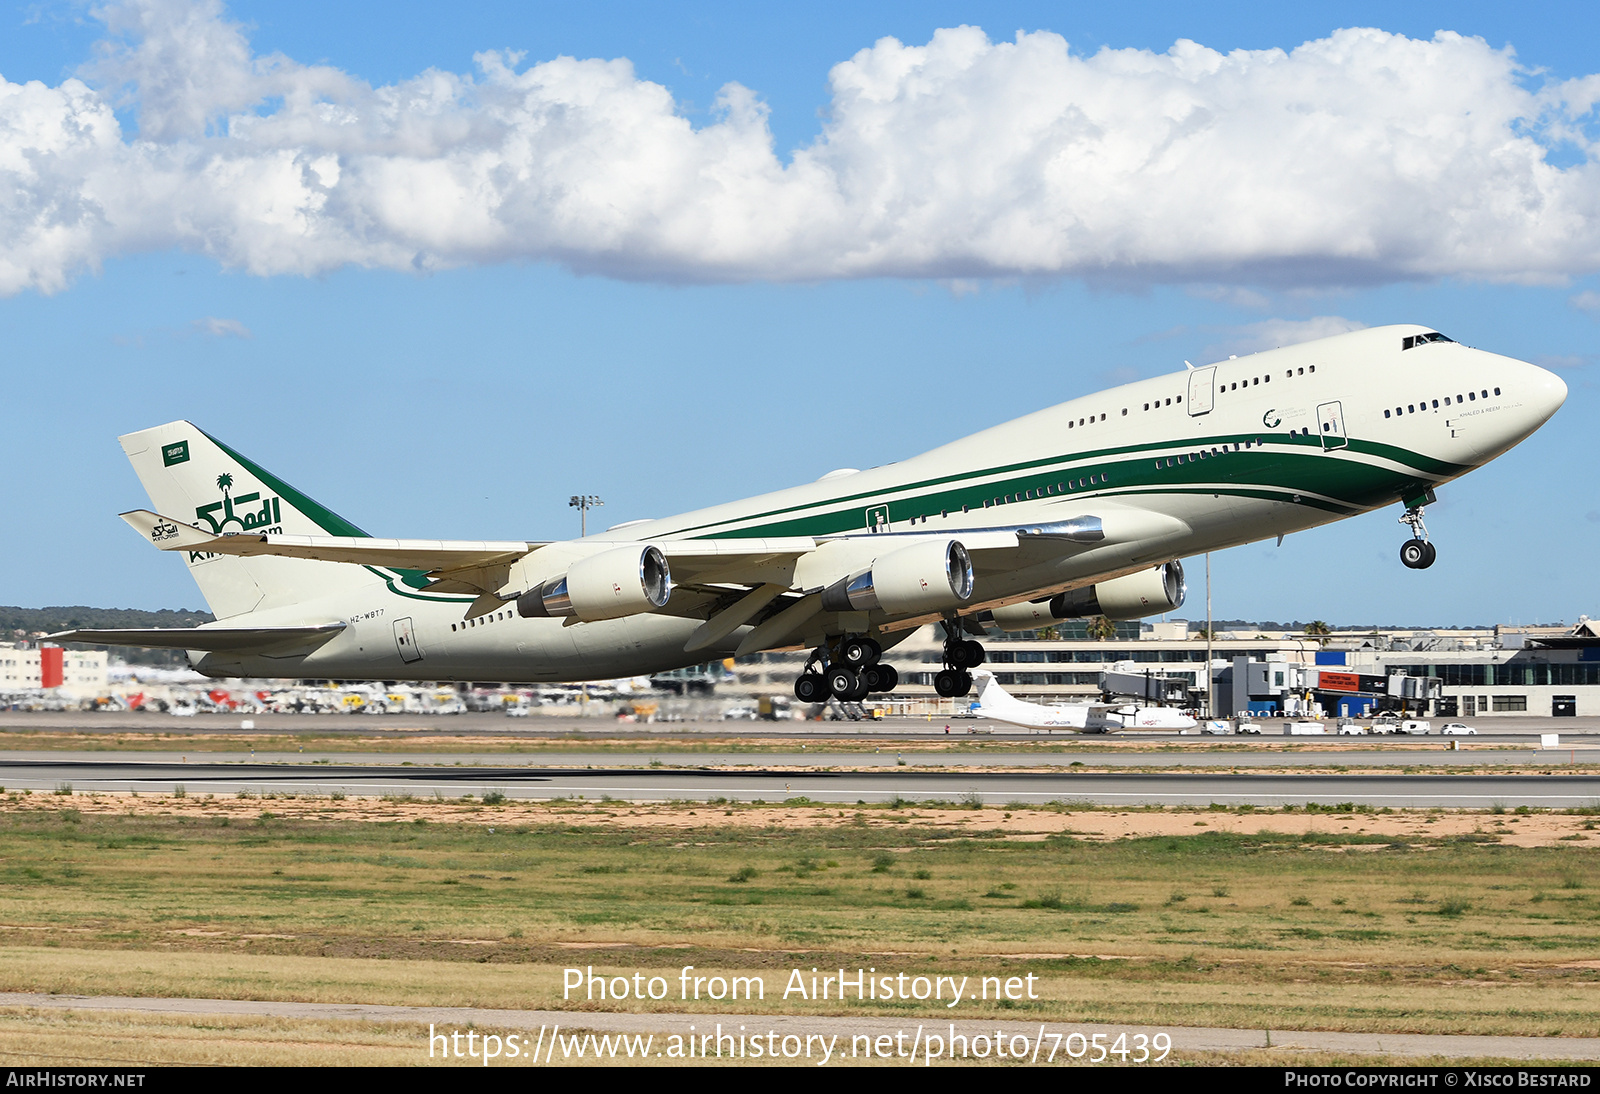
(1412, 340)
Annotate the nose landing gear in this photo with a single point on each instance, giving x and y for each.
(1416, 553)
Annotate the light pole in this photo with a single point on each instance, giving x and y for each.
(583, 503)
(1211, 702)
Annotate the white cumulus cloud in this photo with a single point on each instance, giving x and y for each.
(1365, 156)
(222, 328)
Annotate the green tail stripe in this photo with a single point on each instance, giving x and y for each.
(326, 519)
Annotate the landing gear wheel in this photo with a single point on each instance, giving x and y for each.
(963, 655)
(846, 685)
(811, 687)
(951, 683)
(880, 678)
(1417, 554)
(859, 652)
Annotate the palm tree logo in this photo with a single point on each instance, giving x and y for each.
(225, 482)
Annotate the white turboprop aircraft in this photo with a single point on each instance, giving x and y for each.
(1081, 509)
(997, 703)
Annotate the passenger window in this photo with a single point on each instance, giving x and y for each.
(1497, 391)
(1147, 406)
(1436, 404)
(1459, 399)
(1255, 380)
(1486, 393)
(1411, 408)
(1473, 395)
(1447, 400)
(1313, 368)
(1386, 414)
(1266, 379)
(1302, 372)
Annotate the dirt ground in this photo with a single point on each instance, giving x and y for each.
(1536, 829)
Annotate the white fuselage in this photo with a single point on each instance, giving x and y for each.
(995, 702)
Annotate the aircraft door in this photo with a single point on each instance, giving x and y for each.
(406, 640)
(1330, 423)
(1202, 390)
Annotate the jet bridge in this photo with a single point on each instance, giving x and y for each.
(1152, 688)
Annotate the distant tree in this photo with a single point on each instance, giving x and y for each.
(1047, 634)
(1101, 628)
(1200, 634)
(1318, 629)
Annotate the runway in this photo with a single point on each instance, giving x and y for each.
(1263, 788)
(1185, 1040)
(537, 727)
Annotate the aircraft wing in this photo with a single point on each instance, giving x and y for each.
(210, 639)
(428, 555)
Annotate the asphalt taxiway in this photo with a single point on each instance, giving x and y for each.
(1545, 789)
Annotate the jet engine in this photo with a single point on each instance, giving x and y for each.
(1131, 597)
(926, 576)
(609, 585)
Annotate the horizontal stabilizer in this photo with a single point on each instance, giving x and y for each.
(427, 555)
(210, 639)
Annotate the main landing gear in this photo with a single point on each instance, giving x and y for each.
(850, 674)
(848, 669)
(1416, 553)
(960, 655)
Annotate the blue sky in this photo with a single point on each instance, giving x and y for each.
(677, 363)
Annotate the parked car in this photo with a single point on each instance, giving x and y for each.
(1417, 726)
(1458, 729)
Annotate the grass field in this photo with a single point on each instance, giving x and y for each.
(1329, 930)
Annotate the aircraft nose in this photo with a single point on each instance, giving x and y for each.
(1547, 392)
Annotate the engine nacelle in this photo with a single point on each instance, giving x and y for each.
(1131, 597)
(928, 576)
(609, 585)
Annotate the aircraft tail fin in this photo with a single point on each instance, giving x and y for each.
(192, 476)
(989, 692)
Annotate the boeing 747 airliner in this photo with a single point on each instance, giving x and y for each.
(1085, 508)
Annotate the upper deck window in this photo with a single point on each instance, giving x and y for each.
(1412, 340)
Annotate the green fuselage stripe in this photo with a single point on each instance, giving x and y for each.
(1282, 466)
